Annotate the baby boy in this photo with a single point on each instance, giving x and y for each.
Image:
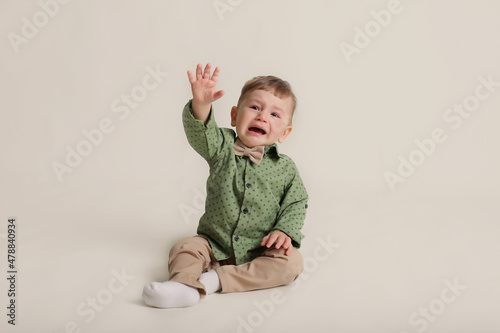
(247, 239)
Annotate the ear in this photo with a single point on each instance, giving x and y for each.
(234, 112)
(286, 132)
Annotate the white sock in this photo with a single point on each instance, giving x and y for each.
(211, 281)
(170, 294)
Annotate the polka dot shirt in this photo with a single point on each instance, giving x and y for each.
(245, 201)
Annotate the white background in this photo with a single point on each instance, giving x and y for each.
(138, 190)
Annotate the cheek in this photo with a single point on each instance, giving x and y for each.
(279, 126)
(240, 123)
(243, 119)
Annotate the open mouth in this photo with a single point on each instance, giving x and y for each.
(257, 130)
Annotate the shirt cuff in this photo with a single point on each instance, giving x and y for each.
(189, 117)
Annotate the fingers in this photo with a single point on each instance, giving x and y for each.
(276, 239)
(284, 242)
(287, 243)
(202, 74)
(191, 77)
(279, 240)
(272, 239)
(219, 94)
(206, 73)
(288, 246)
(215, 76)
(269, 240)
(264, 240)
(198, 72)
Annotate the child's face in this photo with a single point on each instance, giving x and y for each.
(261, 119)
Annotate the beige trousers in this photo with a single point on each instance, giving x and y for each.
(192, 256)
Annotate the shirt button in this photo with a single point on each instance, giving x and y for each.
(245, 211)
(236, 238)
(249, 185)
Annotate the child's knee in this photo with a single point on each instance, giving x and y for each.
(189, 244)
(290, 266)
(296, 264)
(179, 246)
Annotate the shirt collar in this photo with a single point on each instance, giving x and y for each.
(272, 149)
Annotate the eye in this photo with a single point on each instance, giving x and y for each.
(276, 115)
(254, 107)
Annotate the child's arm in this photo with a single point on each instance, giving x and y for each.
(286, 232)
(204, 91)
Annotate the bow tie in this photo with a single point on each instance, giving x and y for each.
(255, 154)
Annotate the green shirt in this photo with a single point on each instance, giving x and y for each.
(245, 201)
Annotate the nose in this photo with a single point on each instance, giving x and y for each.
(261, 116)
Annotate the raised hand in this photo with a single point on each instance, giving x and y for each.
(203, 86)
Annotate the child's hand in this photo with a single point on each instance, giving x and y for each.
(203, 87)
(279, 239)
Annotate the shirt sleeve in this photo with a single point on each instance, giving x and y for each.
(206, 139)
(293, 207)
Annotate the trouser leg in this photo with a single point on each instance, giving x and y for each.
(189, 258)
(273, 268)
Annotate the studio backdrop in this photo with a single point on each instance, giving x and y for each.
(395, 137)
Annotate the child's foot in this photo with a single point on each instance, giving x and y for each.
(211, 281)
(170, 294)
